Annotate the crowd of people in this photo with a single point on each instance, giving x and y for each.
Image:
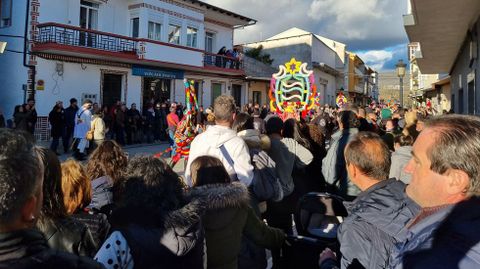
(409, 181)
(156, 123)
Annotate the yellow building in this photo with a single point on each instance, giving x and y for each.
(357, 77)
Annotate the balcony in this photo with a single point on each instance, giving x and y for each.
(67, 40)
(216, 61)
(75, 41)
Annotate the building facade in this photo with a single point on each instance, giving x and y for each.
(324, 56)
(389, 88)
(420, 83)
(135, 51)
(448, 34)
(360, 80)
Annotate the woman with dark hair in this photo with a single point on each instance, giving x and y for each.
(228, 215)
(62, 232)
(77, 195)
(105, 167)
(154, 225)
(292, 129)
(20, 118)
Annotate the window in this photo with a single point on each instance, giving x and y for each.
(471, 97)
(174, 34)
(452, 103)
(88, 15)
(257, 97)
(209, 42)
(5, 13)
(135, 24)
(460, 101)
(192, 37)
(154, 31)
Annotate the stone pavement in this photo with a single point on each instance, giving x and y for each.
(132, 150)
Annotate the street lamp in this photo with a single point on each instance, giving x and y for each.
(401, 73)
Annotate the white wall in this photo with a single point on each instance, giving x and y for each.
(323, 54)
(173, 55)
(329, 90)
(75, 81)
(223, 36)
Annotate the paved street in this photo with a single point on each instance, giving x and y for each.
(132, 150)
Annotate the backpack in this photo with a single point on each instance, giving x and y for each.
(266, 184)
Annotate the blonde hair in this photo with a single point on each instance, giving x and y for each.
(76, 187)
(410, 118)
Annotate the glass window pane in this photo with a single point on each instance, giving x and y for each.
(135, 26)
(174, 34)
(93, 20)
(5, 8)
(158, 32)
(209, 42)
(191, 37)
(151, 29)
(83, 17)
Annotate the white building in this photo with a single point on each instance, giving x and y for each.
(325, 56)
(419, 83)
(136, 51)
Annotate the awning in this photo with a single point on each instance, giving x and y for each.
(440, 26)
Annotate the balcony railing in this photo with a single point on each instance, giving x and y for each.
(79, 37)
(76, 37)
(222, 61)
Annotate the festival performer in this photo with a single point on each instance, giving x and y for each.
(292, 90)
(185, 130)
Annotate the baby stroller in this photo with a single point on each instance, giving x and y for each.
(317, 218)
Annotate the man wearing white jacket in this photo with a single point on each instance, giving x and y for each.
(83, 120)
(222, 142)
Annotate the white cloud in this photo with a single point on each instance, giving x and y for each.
(364, 25)
(351, 18)
(376, 58)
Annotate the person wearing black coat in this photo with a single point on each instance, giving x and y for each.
(63, 232)
(20, 118)
(32, 119)
(21, 245)
(70, 115)
(57, 122)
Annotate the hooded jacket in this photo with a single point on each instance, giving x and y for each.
(287, 154)
(400, 158)
(209, 143)
(334, 168)
(264, 166)
(450, 238)
(228, 216)
(376, 221)
(28, 249)
(178, 243)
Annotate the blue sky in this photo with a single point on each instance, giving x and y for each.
(372, 28)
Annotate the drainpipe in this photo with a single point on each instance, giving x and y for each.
(25, 45)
